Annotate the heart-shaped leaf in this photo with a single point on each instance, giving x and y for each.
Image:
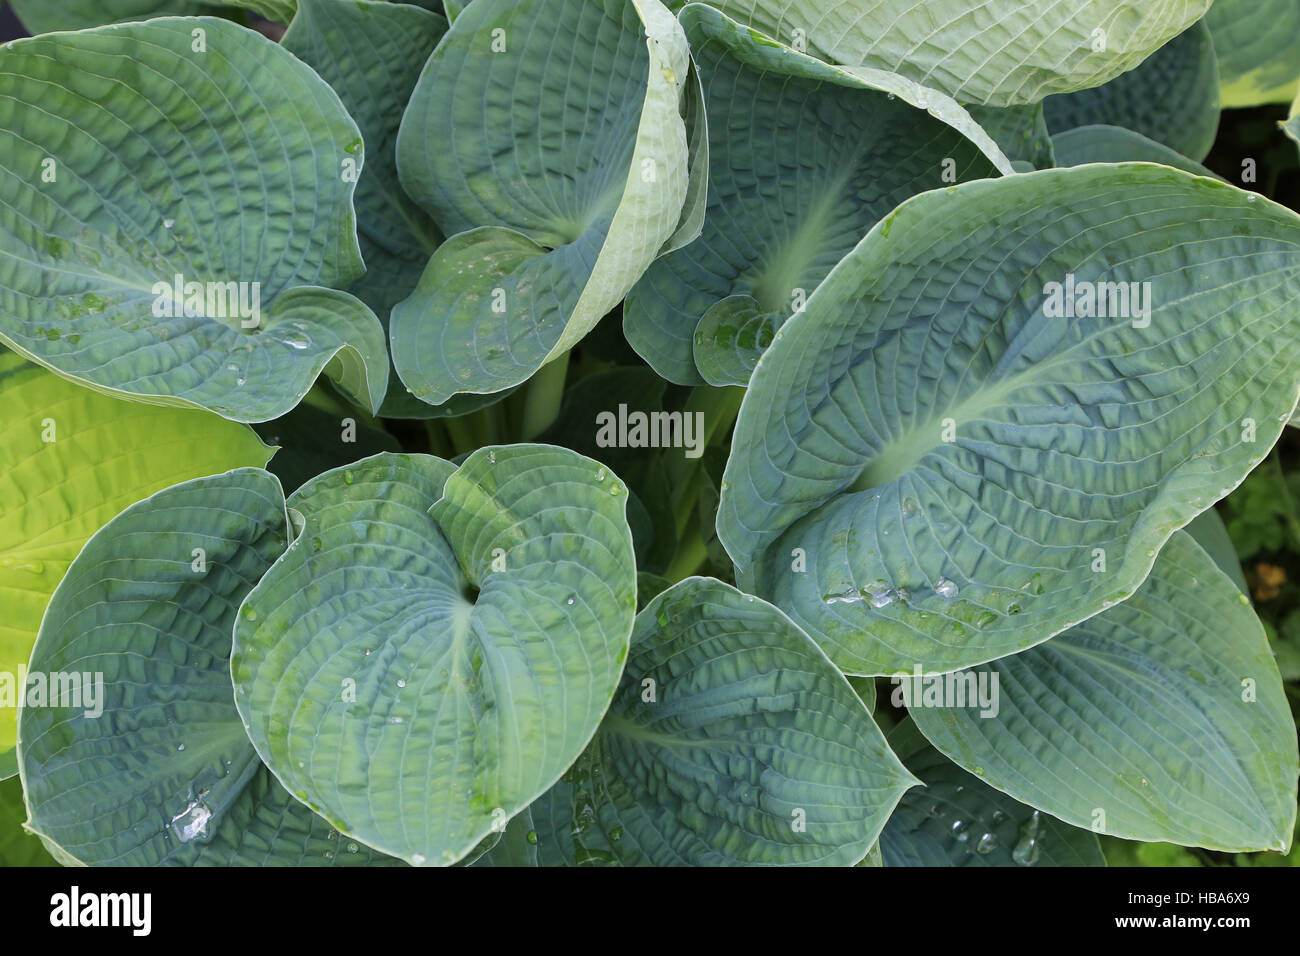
(438, 645)
(530, 269)
(940, 462)
(1258, 45)
(804, 159)
(73, 459)
(1163, 719)
(137, 755)
(732, 741)
(1172, 98)
(995, 52)
(174, 192)
(958, 820)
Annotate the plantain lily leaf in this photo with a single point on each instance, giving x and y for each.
(995, 53)
(142, 759)
(958, 820)
(804, 159)
(939, 464)
(57, 436)
(167, 225)
(1172, 98)
(372, 53)
(438, 645)
(1258, 45)
(732, 741)
(1114, 144)
(555, 208)
(1020, 132)
(1163, 719)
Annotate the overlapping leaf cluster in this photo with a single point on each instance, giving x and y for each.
(473, 632)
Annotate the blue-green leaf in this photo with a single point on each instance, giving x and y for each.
(732, 741)
(148, 763)
(1163, 719)
(438, 645)
(932, 466)
(174, 195)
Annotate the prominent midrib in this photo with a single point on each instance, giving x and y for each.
(901, 455)
(777, 282)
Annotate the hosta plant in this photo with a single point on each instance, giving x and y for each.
(636, 433)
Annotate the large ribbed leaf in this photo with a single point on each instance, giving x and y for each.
(931, 466)
(191, 148)
(732, 741)
(372, 53)
(958, 820)
(1114, 144)
(73, 459)
(438, 646)
(804, 159)
(1258, 44)
(158, 770)
(1172, 98)
(551, 138)
(995, 52)
(1163, 719)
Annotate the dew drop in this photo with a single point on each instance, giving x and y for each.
(946, 589)
(884, 599)
(297, 340)
(987, 844)
(418, 859)
(401, 683)
(168, 223)
(1027, 846)
(191, 822)
(851, 596)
